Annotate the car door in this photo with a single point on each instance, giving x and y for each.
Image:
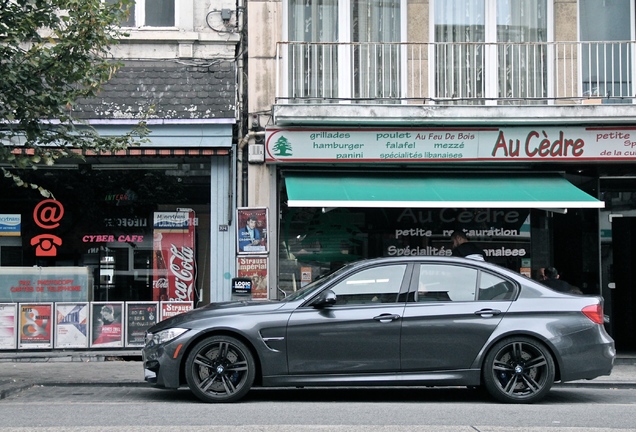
(358, 334)
(453, 311)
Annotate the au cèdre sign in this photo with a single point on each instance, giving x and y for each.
(484, 144)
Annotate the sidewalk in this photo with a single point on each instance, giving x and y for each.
(22, 373)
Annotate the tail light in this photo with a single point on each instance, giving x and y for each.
(594, 313)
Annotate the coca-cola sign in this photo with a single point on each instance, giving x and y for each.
(174, 258)
(182, 268)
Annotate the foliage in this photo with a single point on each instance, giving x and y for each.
(52, 54)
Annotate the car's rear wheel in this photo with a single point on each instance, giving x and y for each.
(518, 370)
(220, 369)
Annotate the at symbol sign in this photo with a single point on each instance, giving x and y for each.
(48, 213)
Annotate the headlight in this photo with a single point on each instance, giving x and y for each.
(165, 335)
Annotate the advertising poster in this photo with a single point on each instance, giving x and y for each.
(140, 316)
(252, 230)
(10, 225)
(254, 268)
(8, 325)
(71, 325)
(170, 309)
(106, 324)
(173, 259)
(36, 325)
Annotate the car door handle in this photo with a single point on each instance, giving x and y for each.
(386, 317)
(487, 312)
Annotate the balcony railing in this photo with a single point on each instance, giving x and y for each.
(456, 73)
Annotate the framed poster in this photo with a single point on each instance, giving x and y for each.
(71, 325)
(251, 233)
(254, 268)
(170, 309)
(106, 324)
(8, 325)
(36, 325)
(140, 316)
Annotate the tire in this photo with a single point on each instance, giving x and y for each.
(518, 370)
(220, 369)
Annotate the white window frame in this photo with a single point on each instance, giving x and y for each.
(490, 14)
(140, 15)
(345, 72)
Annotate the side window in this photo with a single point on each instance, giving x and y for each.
(493, 287)
(376, 285)
(442, 282)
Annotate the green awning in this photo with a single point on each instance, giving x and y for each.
(465, 191)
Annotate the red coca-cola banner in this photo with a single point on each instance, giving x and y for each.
(174, 276)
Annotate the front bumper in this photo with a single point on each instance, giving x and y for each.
(163, 363)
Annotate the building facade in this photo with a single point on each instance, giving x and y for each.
(390, 124)
(150, 224)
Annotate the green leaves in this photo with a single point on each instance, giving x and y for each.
(52, 53)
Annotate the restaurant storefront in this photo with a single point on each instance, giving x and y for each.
(531, 197)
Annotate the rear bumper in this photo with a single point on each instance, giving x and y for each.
(592, 355)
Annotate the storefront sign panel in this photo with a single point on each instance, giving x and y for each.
(173, 256)
(71, 325)
(140, 316)
(106, 324)
(10, 225)
(36, 325)
(43, 284)
(254, 268)
(8, 325)
(484, 144)
(170, 309)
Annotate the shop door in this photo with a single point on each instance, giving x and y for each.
(623, 321)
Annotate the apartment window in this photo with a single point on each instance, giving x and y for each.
(150, 13)
(605, 29)
(367, 65)
(490, 49)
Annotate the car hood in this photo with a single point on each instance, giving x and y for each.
(216, 310)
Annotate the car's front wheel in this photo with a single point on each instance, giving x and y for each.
(518, 370)
(220, 369)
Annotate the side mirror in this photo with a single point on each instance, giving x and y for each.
(326, 298)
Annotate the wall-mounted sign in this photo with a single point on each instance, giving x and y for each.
(71, 325)
(106, 324)
(10, 225)
(251, 235)
(169, 309)
(36, 325)
(484, 144)
(254, 268)
(43, 284)
(8, 325)
(140, 316)
(174, 263)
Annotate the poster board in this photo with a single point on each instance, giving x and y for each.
(36, 325)
(71, 325)
(106, 324)
(252, 230)
(140, 316)
(254, 268)
(8, 326)
(170, 309)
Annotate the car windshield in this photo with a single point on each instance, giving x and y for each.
(314, 286)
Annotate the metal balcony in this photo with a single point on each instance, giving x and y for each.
(548, 73)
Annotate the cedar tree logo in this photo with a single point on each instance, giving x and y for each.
(282, 147)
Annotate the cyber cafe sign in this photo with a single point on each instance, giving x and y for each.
(569, 144)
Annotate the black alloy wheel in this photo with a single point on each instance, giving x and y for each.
(220, 369)
(518, 370)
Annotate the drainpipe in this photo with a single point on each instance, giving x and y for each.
(241, 161)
